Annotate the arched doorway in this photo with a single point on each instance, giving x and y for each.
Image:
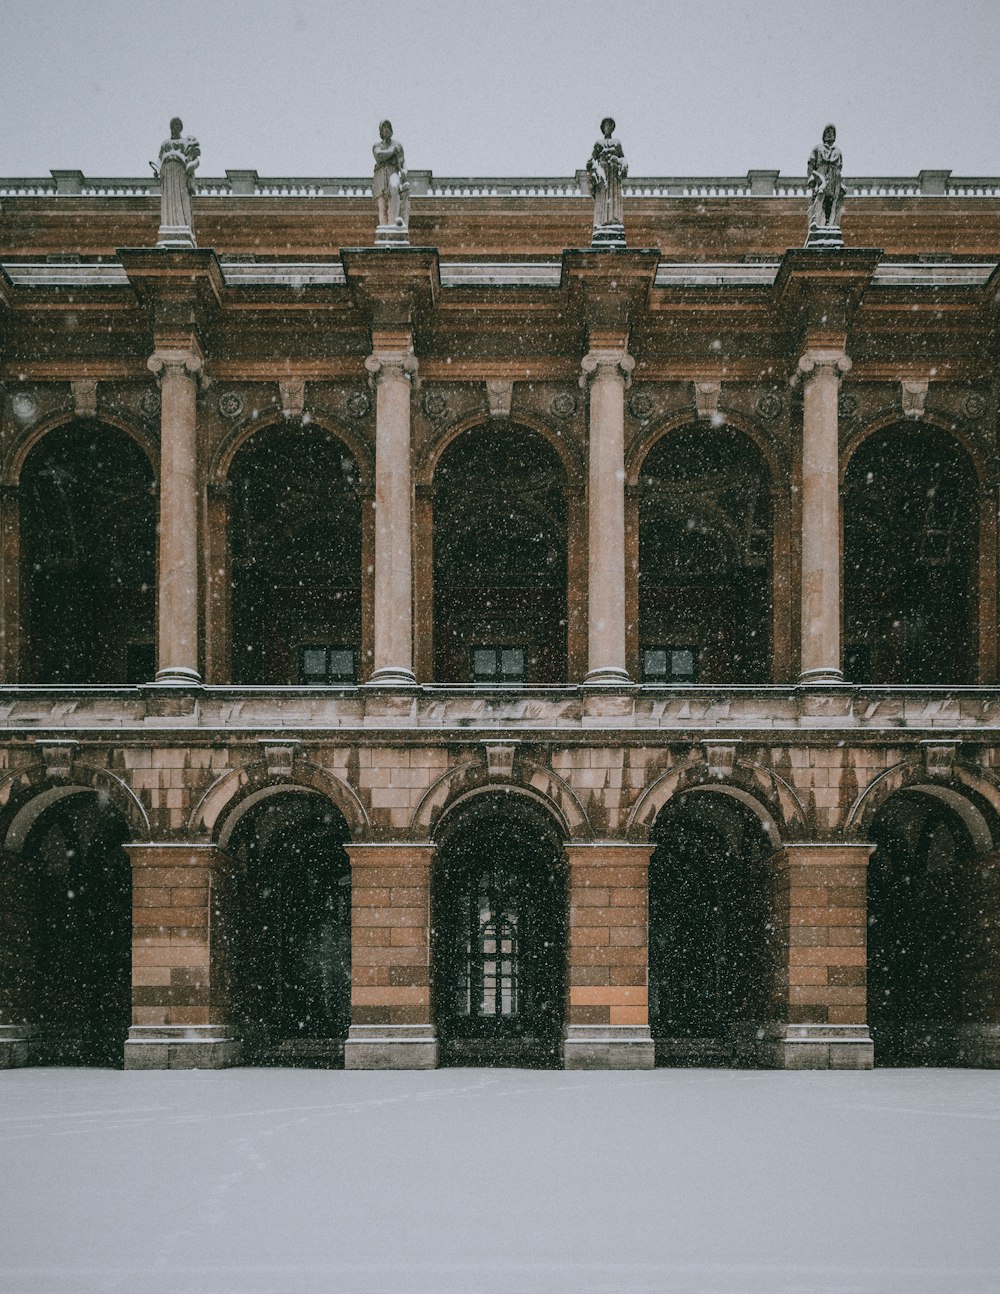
(705, 557)
(499, 931)
(88, 558)
(712, 947)
(911, 545)
(295, 536)
(926, 936)
(290, 918)
(76, 891)
(499, 560)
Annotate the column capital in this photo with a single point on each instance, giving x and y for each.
(606, 363)
(391, 365)
(189, 360)
(822, 360)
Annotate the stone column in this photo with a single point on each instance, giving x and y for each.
(177, 650)
(822, 918)
(821, 372)
(218, 586)
(607, 370)
(392, 366)
(608, 1022)
(391, 1024)
(180, 989)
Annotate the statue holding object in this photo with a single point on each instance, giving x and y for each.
(606, 170)
(390, 188)
(826, 186)
(179, 158)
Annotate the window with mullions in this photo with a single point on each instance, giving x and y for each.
(498, 665)
(670, 664)
(488, 974)
(323, 664)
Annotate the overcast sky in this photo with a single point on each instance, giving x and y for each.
(512, 87)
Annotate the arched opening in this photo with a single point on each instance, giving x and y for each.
(499, 560)
(911, 544)
(712, 948)
(295, 540)
(70, 894)
(705, 557)
(499, 932)
(290, 919)
(88, 558)
(927, 950)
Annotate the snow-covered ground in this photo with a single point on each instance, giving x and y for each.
(499, 1180)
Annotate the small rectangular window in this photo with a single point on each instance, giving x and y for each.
(325, 665)
(498, 664)
(670, 664)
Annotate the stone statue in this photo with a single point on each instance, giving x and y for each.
(179, 157)
(605, 171)
(390, 188)
(826, 186)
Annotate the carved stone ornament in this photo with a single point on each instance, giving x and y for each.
(706, 398)
(500, 395)
(606, 171)
(824, 172)
(231, 405)
(563, 404)
(847, 406)
(975, 405)
(769, 406)
(279, 757)
(390, 189)
(293, 397)
(641, 404)
(179, 157)
(913, 397)
(57, 756)
(149, 404)
(23, 405)
(358, 404)
(720, 756)
(500, 760)
(939, 759)
(435, 404)
(84, 395)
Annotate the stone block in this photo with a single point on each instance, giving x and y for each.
(824, 1046)
(391, 1046)
(608, 1046)
(17, 1045)
(181, 1046)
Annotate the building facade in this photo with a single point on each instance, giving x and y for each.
(495, 649)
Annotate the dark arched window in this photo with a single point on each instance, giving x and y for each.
(499, 560)
(88, 558)
(289, 920)
(705, 541)
(296, 559)
(499, 898)
(911, 542)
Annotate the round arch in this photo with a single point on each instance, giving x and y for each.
(959, 794)
(535, 782)
(227, 450)
(26, 793)
(774, 457)
(427, 461)
(34, 434)
(888, 419)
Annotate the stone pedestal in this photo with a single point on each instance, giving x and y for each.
(180, 990)
(822, 914)
(177, 653)
(606, 368)
(822, 371)
(391, 1025)
(608, 1022)
(392, 366)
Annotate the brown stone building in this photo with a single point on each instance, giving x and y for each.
(490, 651)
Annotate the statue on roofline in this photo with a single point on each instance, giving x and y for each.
(179, 158)
(826, 186)
(606, 169)
(390, 188)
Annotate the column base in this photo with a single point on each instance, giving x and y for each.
(177, 674)
(822, 675)
(608, 1046)
(181, 1046)
(392, 676)
(391, 1046)
(822, 1046)
(392, 236)
(17, 1045)
(609, 676)
(175, 236)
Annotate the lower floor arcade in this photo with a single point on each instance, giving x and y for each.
(501, 941)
